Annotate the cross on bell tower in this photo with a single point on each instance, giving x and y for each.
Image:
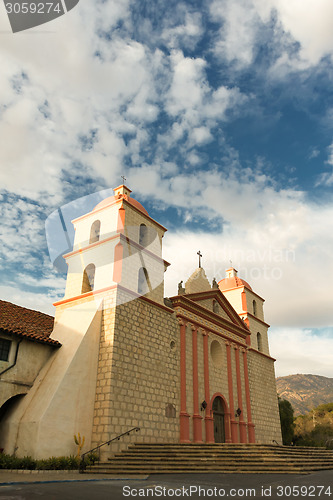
(200, 255)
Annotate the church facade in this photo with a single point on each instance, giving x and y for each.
(194, 367)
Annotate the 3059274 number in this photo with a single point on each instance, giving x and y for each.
(303, 491)
(33, 8)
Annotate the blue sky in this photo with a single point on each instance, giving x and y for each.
(221, 118)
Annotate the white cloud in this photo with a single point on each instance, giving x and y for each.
(326, 178)
(308, 23)
(186, 34)
(201, 135)
(277, 239)
(35, 301)
(238, 33)
(301, 351)
(188, 85)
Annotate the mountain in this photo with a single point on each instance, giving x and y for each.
(305, 392)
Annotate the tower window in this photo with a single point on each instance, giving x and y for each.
(143, 281)
(143, 236)
(88, 278)
(259, 342)
(95, 231)
(254, 306)
(4, 349)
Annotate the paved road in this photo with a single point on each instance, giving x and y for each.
(238, 486)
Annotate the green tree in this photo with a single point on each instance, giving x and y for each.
(287, 421)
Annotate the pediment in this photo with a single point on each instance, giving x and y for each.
(223, 308)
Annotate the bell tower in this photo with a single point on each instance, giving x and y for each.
(116, 267)
(117, 247)
(249, 306)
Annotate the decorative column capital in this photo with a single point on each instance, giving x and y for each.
(181, 322)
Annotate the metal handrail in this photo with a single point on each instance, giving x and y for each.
(82, 466)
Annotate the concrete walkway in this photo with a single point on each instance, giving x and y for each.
(19, 476)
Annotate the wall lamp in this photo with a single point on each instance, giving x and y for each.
(203, 405)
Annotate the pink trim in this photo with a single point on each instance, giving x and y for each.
(250, 424)
(225, 325)
(233, 423)
(184, 416)
(241, 286)
(243, 298)
(122, 237)
(209, 421)
(242, 424)
(106, 289)
(121, 219)
(118, 262)
(190, 300)
(94, 212)
(89, 246)
(197, 427)
(84, 295)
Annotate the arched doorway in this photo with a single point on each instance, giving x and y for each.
(6, 411)
(218, 415)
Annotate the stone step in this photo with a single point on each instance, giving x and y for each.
(163, 453)
(219, 458)
(146, 472)
(231, 452)
(265, 458)
(220, 445)
(207, 465)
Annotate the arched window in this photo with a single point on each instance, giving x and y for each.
(143, 281)
(254, 306)
(170, 411)
(88, 278)
(95, 231)
(259, 341)
(143, 236)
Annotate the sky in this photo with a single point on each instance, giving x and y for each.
(220, 116)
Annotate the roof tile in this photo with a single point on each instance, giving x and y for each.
(26, 323)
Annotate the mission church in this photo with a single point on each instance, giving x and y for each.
(192, 368)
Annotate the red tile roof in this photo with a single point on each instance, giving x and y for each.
(233, 282)
(26, 323)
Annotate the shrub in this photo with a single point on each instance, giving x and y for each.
(52, 463)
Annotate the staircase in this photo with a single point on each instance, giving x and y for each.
(215, 458)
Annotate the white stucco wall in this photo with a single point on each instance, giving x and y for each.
(61, 401)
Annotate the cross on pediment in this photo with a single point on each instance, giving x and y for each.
(200, 255)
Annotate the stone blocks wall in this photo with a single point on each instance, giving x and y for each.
(138, 373)
(264, 402)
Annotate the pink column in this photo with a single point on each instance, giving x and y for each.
(250, 424)
(118, 262)
(183, 416)
(233, 423)
(197, 426)
(121, 219)
(209, 421)
(242, 424)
